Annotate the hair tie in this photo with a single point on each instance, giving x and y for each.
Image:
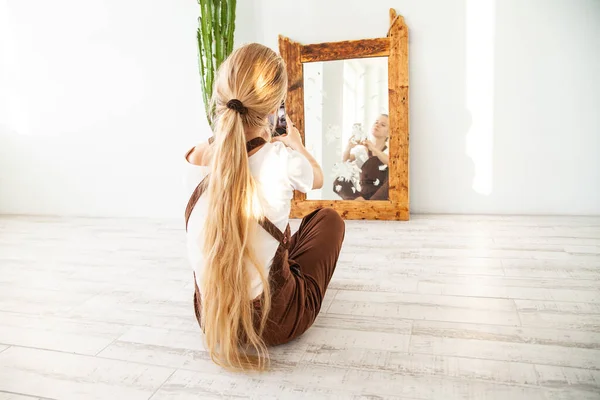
(236, 105)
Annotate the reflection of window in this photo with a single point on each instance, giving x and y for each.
(354, 93)
(313, 113)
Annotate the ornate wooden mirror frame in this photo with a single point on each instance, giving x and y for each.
(395, 47)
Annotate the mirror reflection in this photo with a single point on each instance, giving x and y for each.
(347, 127)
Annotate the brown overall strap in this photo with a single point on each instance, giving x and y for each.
(250, 144)
(194, 199)
(270, 227)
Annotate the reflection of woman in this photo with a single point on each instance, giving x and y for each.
(256, 284)
(371, 156)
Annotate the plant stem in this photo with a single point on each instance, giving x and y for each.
(202, 65)
(216, 26)
(230, 24)
(223, 23)
(218, 29)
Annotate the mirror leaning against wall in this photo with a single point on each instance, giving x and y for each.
(350, 102)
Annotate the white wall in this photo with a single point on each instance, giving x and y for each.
(99, 100)
(98, 103)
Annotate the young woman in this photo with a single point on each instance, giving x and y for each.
(256, 285)
(371, 156)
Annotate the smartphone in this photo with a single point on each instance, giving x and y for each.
(278, 121)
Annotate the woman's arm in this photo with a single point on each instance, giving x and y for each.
(384, 158)
(317, 171)
(293, 140)
(199, 155)
(347, 156)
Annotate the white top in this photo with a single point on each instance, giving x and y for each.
(361, 153)
(278, 171)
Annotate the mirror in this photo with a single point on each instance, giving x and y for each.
(347, 127)
(338, 93)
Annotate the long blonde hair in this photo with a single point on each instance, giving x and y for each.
(255, 75)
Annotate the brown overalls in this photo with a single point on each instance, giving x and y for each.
(300, 272)
(369, 176)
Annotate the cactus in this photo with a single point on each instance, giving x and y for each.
(216, 26)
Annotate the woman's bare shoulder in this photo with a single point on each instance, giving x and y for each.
(198, 155)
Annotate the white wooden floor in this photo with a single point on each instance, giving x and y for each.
(442, 307)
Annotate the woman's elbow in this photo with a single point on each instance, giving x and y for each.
(318, 182)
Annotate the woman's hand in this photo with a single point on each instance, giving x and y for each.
(351, 144)
(369, 145)
(292, 138)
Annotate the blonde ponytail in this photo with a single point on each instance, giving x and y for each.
(255, 76)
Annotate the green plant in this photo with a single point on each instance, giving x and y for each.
(216, 25)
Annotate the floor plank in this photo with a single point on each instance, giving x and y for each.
(320, 382)
(429, 307)
(59, 334)
(556, 314)
(507, 351)
(13, 396)
(68, 376)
